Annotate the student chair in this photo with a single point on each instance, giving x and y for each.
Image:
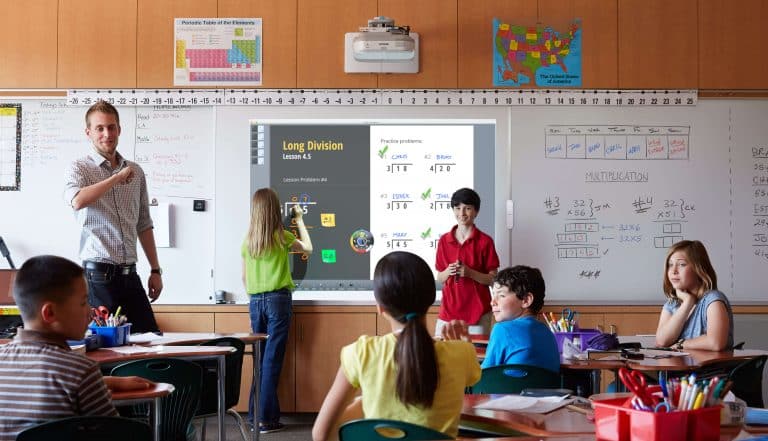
(747, 380)
(178, 408)
(512, 378)
(209, 395)
(88, 428)
(387, 430)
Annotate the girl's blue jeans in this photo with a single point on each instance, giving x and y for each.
(270, 314)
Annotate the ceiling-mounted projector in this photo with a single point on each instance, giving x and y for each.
(381, 47)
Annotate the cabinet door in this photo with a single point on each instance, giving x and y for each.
(633, 323)
(184, 321)
(319, 339)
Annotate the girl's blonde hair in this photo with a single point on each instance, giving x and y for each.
(698, 257)
(265, 231)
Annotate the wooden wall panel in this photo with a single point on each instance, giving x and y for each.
(732, 51)
(28, 44)
(185, 321)
(279, 36)
(97, 44)
(475, 46)
(658, 44)
(155, 36)
(436, 23)
(320, 43)
(599, 63)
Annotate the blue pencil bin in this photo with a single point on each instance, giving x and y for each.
(112, 336)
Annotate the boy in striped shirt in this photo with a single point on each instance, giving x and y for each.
(41, 379)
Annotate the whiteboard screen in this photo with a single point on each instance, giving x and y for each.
(371, 187)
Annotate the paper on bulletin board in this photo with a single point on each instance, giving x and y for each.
(160, 213)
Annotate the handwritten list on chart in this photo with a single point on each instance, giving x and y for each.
(174, 146)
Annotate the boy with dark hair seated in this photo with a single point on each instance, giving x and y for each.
(41, 379)
(518, 337)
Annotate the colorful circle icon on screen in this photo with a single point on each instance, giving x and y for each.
(361, 241)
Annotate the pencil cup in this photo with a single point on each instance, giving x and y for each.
(112, 336)
(615, 420)
(583, 335)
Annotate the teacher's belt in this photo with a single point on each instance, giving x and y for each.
(109, 268)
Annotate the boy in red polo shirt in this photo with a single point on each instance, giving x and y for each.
(466, 263)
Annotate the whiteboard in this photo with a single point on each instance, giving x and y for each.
(600, 195)
(36, 219)
(716, 177)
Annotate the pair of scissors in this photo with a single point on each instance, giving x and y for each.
(637, 384)
(568, 314)
(100, 315)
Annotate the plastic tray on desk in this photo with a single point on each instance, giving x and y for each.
(584, 336)
(112, 336)
(615, 420)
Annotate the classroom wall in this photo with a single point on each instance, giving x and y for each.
(712, 45)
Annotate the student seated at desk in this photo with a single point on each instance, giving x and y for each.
(40, 377)
(518, 337)
(696, 315)
(404, 375)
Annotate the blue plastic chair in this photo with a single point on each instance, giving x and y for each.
(179, 407)
(88, 428)
(387, 430)
(512, 378)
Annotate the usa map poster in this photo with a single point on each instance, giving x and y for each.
(536, 55)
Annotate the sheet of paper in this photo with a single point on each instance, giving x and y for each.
(525, 404)
(144, 338)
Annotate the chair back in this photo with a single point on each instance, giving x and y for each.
(178, 408)
(387, 430)
(234, 368)
(747, 380)
(88, 428)
(512, 378)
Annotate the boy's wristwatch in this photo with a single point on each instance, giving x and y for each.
(158, 271)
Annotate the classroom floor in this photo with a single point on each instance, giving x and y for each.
(298, 427)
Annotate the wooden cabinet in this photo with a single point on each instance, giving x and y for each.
(28, 46)
(658, 44)
(319, 339)
(633, 323)
(97, 44)
(185, 321)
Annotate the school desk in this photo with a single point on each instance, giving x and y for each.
(562, 421)
(187, 338)
(195, 353)
(152, 395)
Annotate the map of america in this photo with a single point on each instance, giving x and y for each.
(528, 55)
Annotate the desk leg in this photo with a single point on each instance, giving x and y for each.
(156, 419)
(255, 385)
(595, 374)
(222, 397)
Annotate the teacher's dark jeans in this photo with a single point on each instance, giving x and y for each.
(125, 291)
(270, 314)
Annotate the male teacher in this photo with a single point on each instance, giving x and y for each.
(109, 196)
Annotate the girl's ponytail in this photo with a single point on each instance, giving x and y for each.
(416, 363)
(404, 286)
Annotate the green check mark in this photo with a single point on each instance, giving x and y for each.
(383, 151)
(427, 233)
(426, 194)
